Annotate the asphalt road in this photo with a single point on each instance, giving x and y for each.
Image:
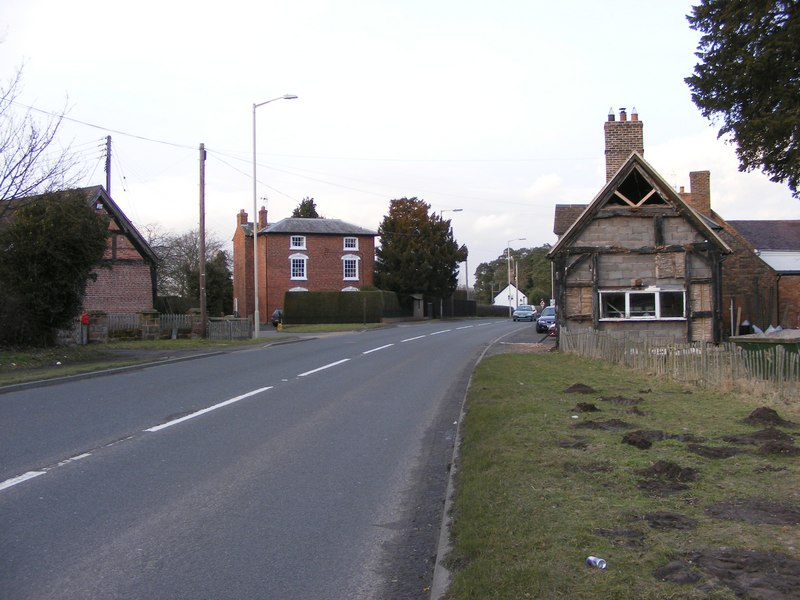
(312, 470)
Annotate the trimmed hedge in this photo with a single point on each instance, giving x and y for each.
(339, 307)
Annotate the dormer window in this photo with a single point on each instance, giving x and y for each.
(297, 242)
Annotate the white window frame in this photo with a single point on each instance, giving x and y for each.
(640, 305)
(297, 242)
(301, 259)
(350, 258)
(353, 243)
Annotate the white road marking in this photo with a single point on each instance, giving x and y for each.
(419, 337)
(333, 364)
(378, 348)
(464, 327)
(74, 458)
(442, 331)
(15, 480)
(209, 409)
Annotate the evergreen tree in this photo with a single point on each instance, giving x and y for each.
(48, 251)
(417, 252)
(306, 209)
(750, 78)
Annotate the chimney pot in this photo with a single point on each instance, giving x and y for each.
(634, 115)
(623, 116)
(611, 116)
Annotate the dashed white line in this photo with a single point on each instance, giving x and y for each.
(333, 364)
(442, 331)
(209, 409)
(464, 327)
(419, 337)
(24, 477)
(378, 348)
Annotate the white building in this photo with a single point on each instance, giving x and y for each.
(510, 296)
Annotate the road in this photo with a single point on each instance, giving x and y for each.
(311, 470)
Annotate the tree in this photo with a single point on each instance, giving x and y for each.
(532, 271)
(306, 209)
(750, 78)
(28, 165)
(47, 254)
(219, 285)
(417, 252)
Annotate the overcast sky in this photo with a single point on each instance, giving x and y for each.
(496, 108)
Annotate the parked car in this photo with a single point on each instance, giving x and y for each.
(524, 312)
(546, 319)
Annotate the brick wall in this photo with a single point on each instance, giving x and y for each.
(789, 303)
(125, 287)
(243, 267)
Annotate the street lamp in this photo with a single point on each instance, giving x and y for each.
(256, 316)
(508, 260)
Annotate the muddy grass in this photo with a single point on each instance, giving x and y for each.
(748, 573)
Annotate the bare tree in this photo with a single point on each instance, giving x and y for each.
(27, 164)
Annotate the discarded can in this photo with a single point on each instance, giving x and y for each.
(596, 561)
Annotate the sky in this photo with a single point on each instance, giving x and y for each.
(495, 108)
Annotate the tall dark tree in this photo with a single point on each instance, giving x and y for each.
(417, 252)
(749, 77)
(48, 251)
(306, 209)
(219, 285)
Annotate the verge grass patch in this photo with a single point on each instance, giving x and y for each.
(537, 493)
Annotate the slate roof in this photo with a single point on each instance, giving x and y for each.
(317, 226)
(770, 235)
(566, 215)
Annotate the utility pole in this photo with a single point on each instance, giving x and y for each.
(202, 269)
(108, 165)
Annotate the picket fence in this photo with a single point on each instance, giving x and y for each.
(727, 367)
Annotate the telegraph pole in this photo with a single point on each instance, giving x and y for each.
(108, 165)
(202, 268)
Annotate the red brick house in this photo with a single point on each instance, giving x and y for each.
(298, 254)
(126, 278)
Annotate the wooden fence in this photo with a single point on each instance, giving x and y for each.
(772, 370)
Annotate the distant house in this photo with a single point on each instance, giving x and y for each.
(638, 260)
(298, 254)
(126, 278)
(510, 296)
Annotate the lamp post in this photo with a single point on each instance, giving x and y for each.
(441, 212)
(508, 261)
(256, 316)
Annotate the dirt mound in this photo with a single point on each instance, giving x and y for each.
(777, 447)
(669, 520)
(770, 434)
(642, 439)
(714, 451)
(610, 425)
(628, 538)
(577, 443)
(763, 575)
(677, 572)
(664, 469)
(767, 416)
(756, 511)
(580, 388)
(621, 400)
(585, 407)
(659, 487)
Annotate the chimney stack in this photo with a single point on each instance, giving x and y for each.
(700, 192)
(241, 218)
(262, 218)
(623, 138)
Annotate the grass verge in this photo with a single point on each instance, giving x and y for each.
(538, 491)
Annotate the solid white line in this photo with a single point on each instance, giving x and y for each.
(419, 337)
(338, 362)
(464, 327)
(378, 348)
(15, 480)
(442, 331)
(209, 409)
